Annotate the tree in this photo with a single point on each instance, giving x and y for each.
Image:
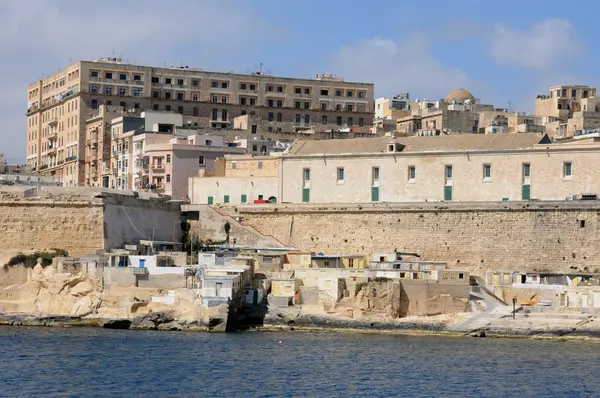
(227, 231)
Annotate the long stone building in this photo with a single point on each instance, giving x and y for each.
(463, 167)
(59, 105)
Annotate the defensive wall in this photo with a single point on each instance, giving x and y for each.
(475, 236)
(83, 220)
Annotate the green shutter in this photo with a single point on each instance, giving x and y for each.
(375, 194)
(226, 199)
(448, 192)
(306, 195)
(244, 198)
(210, 200)
(526, 192)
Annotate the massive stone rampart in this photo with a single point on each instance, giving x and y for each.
(553, 236)
(82, 220)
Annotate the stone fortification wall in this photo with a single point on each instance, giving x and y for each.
(82, 220)
(44, 218)
(554, 236)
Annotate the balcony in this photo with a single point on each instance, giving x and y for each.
(70, 158)
(43, 167)
(52, 151)
(53, 121)
(52, 135)
(139, 270)
(158, 166)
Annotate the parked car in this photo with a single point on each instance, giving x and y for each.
(583, 196)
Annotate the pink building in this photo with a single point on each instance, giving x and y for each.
(165, 162)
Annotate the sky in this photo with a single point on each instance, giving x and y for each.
(504, 53)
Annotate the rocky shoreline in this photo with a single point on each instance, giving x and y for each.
(304, 323)
(151, 321)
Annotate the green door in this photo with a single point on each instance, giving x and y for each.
(244, 198)
(448, 192)
(273, 199)
(210, 200)
(226, 199)
(375, 194)
(306, 195)
(526, 192)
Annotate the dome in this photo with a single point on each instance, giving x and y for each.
(459, 94)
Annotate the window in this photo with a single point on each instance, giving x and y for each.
(155, 107)
(412, 173)
(260, 164)
(93, 73)
(123, 105)
(567, 169)
(526, 170)
(93, 89)
(180, 109)
(339, 121)
(208, 142)
(201, 160)
(180, 82)
(307, 91)
(168, 158)
(122, 91)
(307, 105)
(298, 90)
(242, 86)
(168, 177)
(279, 103)
(349, 107)
(340, 174)
(306, 175)
(234, 165)
(487, 172)
(155, 94)
(574, 93)
(168, 80)
(306, 118)
(122, 76)
(226, 199)
(298, 117)
(375, 174)
(324, 119)
(214, 84)
(94, 104)
(254, 128)
(280, 89)
(137, 92)
(155, 79)
(195, 111)
(108, 90)
(448, 172)
(325, 92)
(297, 104)
(254, 148)
(323, 106)
(361, 122)
(350, 121)
(361, 94)
(270, 103)
(168, 95)
(253, 87)
(269, 88)
(223, 84)
(280, 117)
(180, 96)
(137, 78)
(168, 108)
(215, 99)
(270, 116)
(108, 75)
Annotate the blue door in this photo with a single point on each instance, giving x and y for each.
(142, 263)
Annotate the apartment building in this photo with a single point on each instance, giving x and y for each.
(59, 105)
(164, 163)
(568, 109)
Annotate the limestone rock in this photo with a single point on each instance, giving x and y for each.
(82, 288)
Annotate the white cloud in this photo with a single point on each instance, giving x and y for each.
(543, 46)
(38, 37)
(397, 67)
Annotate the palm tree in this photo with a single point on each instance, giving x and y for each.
(227, 230)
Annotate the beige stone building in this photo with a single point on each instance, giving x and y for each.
(568, 110)
(462, 167)
(237, 179)
(59, 105)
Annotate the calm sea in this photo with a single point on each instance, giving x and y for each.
(98, 362)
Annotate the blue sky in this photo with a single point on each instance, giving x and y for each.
(503, 52)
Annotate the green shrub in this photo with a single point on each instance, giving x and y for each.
(381, 279)
(30, 260)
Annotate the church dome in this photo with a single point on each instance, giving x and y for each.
(459, 94)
